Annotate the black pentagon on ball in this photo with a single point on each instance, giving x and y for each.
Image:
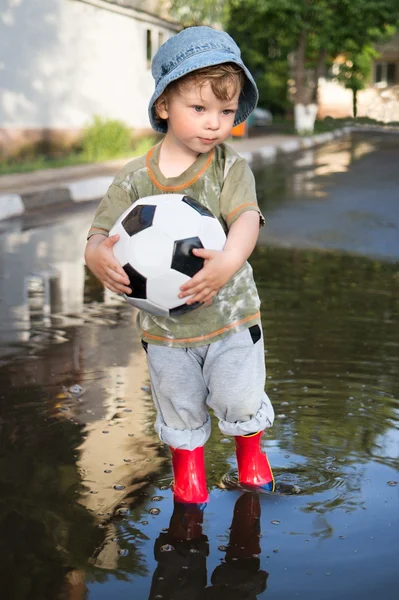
(141, 217)
(205, 212)
(138, 283)
(183, 259)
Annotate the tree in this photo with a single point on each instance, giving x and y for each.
(271, 73)
(265, 47)
(297, 38)
(311, 32)
(355, 70)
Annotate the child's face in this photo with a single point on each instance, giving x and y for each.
(197, 119)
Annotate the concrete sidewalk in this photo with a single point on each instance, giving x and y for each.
(82, 183)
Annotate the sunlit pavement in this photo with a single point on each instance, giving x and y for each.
(343, 196)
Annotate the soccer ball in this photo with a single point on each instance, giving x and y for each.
(156, 237)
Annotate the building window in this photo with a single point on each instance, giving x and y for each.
(149, 47)
(378, 74)
(385, 74)
(391, 73)
(160, 38)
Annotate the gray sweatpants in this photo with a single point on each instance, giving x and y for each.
(227, 376)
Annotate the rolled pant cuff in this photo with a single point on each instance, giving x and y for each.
(184, 439)
(262, 420)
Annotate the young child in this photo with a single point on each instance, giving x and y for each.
(211, 357)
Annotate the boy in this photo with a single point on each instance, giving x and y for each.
(211, 357)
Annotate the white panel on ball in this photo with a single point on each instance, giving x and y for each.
(152, 251)
(211, 234)
(147, 306)
(163, 290)
(176, 225)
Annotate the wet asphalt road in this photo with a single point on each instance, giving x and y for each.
(342, 196)
(86, 509)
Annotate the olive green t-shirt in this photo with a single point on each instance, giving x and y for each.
(222, 182)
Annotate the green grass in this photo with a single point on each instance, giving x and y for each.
(40, 162)
(18, 165)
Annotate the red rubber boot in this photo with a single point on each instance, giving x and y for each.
(253, 465)
(189, 475)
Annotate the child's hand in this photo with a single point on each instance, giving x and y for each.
(219, 267)
(102, 263)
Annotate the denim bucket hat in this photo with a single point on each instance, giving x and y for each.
(195, 48)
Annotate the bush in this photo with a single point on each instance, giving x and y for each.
(105, 138)
(143, 144)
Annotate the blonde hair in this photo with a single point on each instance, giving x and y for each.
(219, 76)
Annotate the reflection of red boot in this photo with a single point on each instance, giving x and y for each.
(240, 576)
(181, 553)
(189, 475)
(245, 528)
(253, 465)
(186, 522)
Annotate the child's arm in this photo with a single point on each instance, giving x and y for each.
(102, 263)
(220, 266)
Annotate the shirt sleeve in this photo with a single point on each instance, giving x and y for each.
(114, 203)
(239, 193)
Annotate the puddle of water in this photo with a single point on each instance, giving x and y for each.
(342, 195)
(86, 504)
(81, 475)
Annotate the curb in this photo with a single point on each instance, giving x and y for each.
(86, 190)
(272, 152)
(11, 205)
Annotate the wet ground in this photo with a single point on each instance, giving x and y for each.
(85, 503)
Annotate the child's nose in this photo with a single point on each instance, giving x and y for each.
(213, 121)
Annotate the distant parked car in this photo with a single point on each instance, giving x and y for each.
(261, 117)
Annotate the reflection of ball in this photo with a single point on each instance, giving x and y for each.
(157, 236)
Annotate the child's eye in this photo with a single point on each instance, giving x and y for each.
(228, 111)
(198, 108)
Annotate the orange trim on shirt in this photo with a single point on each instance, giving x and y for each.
(233, 212)
(181, 186)
(201, 337)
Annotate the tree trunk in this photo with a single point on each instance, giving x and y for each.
(305, 113)
(354, 103)
(305, 109)
(321, 61)
(300, 69)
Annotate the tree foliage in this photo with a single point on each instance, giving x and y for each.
(315, 32)
(199, 12)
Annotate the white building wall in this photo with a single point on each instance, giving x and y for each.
(334, 100)
(61, 61)
(381, 104)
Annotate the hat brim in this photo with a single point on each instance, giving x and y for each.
(248, 97)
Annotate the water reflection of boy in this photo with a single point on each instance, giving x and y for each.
(181, 554)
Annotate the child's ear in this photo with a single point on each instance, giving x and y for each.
(161, 107)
